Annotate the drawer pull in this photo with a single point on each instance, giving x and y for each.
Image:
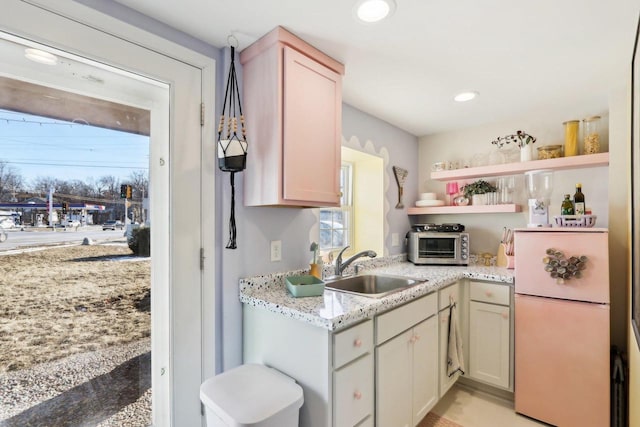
(357, 342)
(505, 315)
(488, 293)
(357, 395)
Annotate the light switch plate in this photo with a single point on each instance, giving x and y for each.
(276, 250)
(395, 239)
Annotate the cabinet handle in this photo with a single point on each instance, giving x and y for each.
(357, 395)
(505, 315)
(417, 338)
(488, 293)
(357, 342)
(412, 339)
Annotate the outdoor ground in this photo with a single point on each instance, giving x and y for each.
(63, 301)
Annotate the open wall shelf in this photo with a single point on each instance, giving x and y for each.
(465, 209)
(560, 163)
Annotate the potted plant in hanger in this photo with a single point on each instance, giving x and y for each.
(523, 140)
(477, 191)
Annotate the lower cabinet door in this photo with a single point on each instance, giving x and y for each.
(446, 381)
(353, 392)
(489, 343)
(425, 368)
(393, 381)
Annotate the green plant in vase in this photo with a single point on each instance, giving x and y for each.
(478, 189)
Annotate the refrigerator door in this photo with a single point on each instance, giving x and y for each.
(562, 361)
(532, 279)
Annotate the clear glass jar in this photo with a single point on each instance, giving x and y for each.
(571, 137)
(591, 135)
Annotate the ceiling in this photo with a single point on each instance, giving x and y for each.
(521, 56)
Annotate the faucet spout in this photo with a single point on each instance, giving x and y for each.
(340, 266)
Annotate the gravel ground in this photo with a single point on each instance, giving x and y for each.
(81, 390)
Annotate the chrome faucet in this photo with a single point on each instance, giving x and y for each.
(340, 266)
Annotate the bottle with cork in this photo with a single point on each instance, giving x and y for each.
(578, 200)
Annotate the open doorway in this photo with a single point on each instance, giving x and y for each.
(75, 177)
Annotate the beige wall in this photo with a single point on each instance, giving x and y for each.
(606, 189)
(634, 381)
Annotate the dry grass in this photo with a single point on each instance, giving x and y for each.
(63, 301)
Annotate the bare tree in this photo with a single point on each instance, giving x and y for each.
(10, 181)
(109, 186)
(42, 184)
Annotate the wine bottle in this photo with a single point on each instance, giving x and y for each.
(567, 206)
(578, 200)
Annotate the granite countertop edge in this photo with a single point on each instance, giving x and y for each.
(336, 310)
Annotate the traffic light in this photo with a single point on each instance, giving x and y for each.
(65, 207)
(123, 191)
(129, 191)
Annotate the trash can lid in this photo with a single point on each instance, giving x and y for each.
(250, 394)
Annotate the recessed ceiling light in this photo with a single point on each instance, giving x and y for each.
(40, 56)
(465, 96)
(374, 10)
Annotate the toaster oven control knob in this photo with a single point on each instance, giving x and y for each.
(464, 256)
(465, 238)
(464, 244)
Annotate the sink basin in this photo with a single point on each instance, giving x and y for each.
(371, 285)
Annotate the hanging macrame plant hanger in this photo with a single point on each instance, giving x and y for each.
(232, 146)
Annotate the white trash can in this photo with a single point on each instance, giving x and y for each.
(251, 395)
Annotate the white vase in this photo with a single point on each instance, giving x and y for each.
(526, 153)
(478, 199)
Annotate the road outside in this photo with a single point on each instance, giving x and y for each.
(44, 237)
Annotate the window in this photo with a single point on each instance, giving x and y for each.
(336, 224)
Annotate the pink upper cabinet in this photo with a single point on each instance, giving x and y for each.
(532, 279)
(292, 99)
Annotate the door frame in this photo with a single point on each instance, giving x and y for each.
(189, 292)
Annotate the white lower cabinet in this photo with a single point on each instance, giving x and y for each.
(353, 392)
(407, 366)
(490, 359)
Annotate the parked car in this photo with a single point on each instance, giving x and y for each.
(7, 223)
(113, 225)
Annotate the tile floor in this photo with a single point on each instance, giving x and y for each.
(472, 408)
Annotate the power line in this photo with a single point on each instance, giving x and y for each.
(76, 165)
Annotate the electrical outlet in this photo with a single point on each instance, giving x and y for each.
(395, 239)
(276, 250)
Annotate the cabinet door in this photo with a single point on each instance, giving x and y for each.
(393, 382)
(353, 392)
(312, 134)
(489, 343)
(425, 368)
(446, 381)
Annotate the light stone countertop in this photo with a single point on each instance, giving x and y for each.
(336, 310)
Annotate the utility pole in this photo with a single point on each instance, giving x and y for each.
(51, 190)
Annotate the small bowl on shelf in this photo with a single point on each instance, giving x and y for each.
(549, 152)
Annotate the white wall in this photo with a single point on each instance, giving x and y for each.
(258, 226)
(605, 188)
(463, 145)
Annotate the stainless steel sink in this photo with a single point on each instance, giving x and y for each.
(371, 285)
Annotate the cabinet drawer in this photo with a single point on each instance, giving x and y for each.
(352, 343)
(490, 292)
(353, 392)
(445, 295)
(393, 322)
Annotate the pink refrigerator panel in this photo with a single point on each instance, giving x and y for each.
(532, 279)
(562, 361)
